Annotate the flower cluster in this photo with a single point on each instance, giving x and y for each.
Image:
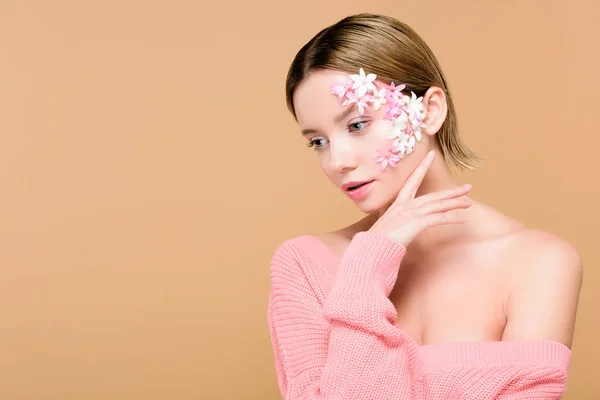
(407, 113)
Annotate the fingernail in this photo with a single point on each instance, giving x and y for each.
(431, 153)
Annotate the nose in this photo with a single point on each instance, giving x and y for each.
(343, 156)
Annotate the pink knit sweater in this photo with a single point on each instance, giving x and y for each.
(335, 336)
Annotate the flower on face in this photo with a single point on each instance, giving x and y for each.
(398, 127)
(416, 115)
(396, 91)
(409, 123)
(394, 101)
(363, 83)
(404, 144)
(404, 135)
(415, 107)
(393, 110)
(343, 87)
(361, 101)
(378, 98)
(386, 158)
(407, 113)
(417, 127)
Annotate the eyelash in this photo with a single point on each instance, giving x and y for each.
(349, 126)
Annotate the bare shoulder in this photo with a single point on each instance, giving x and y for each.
(529, 250)
(542, 273)
(538, 254)
(546, 278)
(534, 244)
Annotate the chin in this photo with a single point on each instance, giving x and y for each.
(374, 204)
(369, 206)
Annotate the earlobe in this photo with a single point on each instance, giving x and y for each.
(437, 109)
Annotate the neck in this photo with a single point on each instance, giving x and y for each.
(439, 177)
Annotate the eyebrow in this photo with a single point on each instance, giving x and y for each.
(339, 118)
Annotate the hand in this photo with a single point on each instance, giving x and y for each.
(408, 216)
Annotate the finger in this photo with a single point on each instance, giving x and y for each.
(415, 179)
(441, 195)
(443, 206)
(457, 216)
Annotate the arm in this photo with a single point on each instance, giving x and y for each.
(347, 347)
(543, 306)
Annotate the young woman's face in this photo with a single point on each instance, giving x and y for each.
(347, 143)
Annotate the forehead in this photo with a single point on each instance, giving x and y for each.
(313, 101)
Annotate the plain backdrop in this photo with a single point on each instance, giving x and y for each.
(149, 168)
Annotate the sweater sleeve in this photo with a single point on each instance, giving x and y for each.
(502, 382)
(541, 383)
(509, 370)
(347, 346)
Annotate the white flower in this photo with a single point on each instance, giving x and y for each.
(417, 130)
(378, 98)
(416, 109)
(412, 126)
(401, 132)
(405, 144)
(398, 127)
(363, 83)
(404, 100)
(411, 121)
(406, 132)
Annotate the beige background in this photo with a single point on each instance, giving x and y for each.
(149, 168)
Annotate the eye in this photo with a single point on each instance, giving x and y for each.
(357, 126)
(317, 143)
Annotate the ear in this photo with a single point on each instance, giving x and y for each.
(437, 109)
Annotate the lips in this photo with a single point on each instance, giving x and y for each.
(358, 190)
(349, 186)
(357, 186)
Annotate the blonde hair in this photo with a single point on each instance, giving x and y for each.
(391, 49)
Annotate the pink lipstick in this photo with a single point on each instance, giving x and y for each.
(357, 190)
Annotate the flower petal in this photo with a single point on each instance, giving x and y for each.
(361, 91)
(418, 135)
(384, 164)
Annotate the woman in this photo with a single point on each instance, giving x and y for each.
(432, 295)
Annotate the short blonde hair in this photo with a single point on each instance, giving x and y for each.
(396, 53)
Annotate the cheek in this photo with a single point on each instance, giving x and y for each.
(377, 140)
(325, 167)
(395, 178)
(382, 127)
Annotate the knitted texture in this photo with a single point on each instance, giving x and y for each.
(335, 336)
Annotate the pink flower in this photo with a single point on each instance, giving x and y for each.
(394, 97)
(361, 101)
(394, 109)
(387, 158)
(342, 88)
(396, 91)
